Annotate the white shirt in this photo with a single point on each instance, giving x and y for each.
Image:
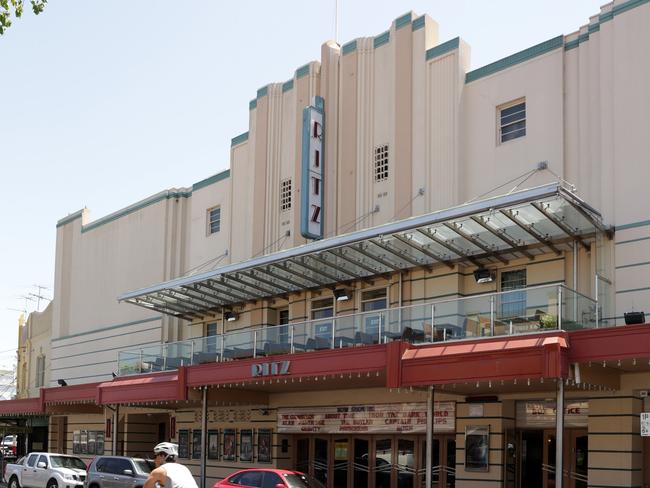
(179, 476)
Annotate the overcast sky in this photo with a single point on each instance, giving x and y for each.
(106, 102)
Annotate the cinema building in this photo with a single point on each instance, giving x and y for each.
(413, 274)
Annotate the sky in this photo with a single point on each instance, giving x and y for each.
(103, 103)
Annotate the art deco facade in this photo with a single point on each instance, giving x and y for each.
(483, 233)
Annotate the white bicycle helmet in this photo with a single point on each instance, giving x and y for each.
(169, 448)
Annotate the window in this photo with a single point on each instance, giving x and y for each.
(512, 120)
(285, 194)
(211, 335)
(42, 459)
(513, 303)
(283, 331)
(381, 162)
(271, 480)
(40, 371)
(322, 309)
(214, 220)
(373, 300)
(31, 462)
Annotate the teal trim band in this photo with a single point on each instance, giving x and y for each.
(517, 58)
(594, 28)
(239, 139)
(629, 241)
(158, 197)
(252, 104)
(211, 180)
(287, 85)
(583, 38)
(417, 23)
(623, 266)
(633, 225)
(110, 327)
(349, 47)
(403, 21)
(606, 17)
(69, 218)
(624, 7)
(381, 39)
(443, 48)
(571, 45)
(262, 92)
(632, 290)
(302, 71)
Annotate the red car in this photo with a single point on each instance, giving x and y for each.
(269, 478)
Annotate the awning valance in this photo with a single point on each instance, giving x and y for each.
(526, 223)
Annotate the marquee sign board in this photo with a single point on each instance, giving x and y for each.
(313, 145)
(394, 417)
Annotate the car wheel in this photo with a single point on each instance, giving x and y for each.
(52, 484)
(13, 482)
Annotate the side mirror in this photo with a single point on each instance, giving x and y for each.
(41, 465)
(128, 472)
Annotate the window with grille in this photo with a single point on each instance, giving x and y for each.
(381, 162)
(512, 120)
(513, 302)
(214, 220)
(40, 371)
(211, 340)
(285, 194)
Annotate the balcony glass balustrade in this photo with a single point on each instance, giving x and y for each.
(527, 310)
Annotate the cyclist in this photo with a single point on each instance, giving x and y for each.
(168, 473)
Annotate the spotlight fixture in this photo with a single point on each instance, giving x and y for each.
(113, 374)
(632, 318)
(342, 294)
(62, 382)
(230, 316)
(483, 275)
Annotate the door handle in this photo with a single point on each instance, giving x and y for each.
(115, 478)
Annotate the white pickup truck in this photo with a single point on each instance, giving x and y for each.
(46, 470)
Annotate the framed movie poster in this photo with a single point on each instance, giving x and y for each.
(92, 436)
(84, 442)
(246, 445)
(76, 442)
(229, 445)
(477, 447)
(213, 444)
(99, 443)
(196, 444)
(183, 444)
(264, 445)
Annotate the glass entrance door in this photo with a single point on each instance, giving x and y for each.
(360, 467)
(321, 459)
(443, 461)
(578, 461)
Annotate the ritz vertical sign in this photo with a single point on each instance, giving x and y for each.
(313, 145)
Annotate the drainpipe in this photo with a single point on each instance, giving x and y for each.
(575, 280)
(430, 414)
(559, 430)
(204, 434)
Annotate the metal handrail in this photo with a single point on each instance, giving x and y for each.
(383, 326)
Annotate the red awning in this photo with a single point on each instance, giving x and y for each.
(155, 387)
(22, 406)
(83, 393)
(610, 343)
(531, 356)
(328, 362)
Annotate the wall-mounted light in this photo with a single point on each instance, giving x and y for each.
(632, 318)
(483, 275)
(230, 316)
(62, 382)
(113, 374)
(342, 294)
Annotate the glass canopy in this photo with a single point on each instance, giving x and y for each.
(484, 233)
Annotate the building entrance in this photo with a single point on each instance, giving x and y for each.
(537, 458)
(376, 461)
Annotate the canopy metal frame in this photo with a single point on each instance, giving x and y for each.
(489, 232)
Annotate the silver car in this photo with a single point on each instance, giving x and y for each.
(118, 472)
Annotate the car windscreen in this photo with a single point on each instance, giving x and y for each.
(144, 465)
(302, 481)
(67, 462)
